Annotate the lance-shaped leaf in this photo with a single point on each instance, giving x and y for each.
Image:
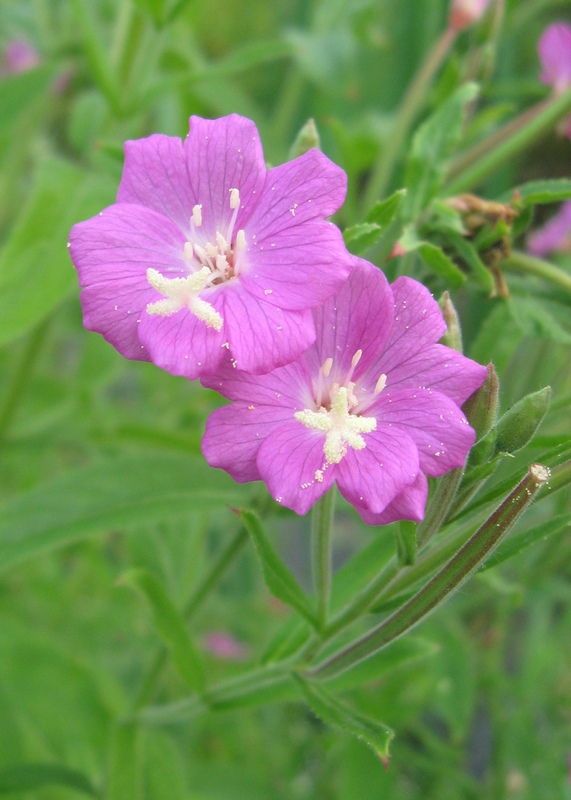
(114, 493)
(537, 193)
(431, 147)
(360, 237)
(279, 578)
(124, 770)
(170, 626)
(468, 559)
(374, 733)
(433, 256)
(406, 542)
(32, 776)
(514, 545)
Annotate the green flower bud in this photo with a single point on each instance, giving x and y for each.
(519, 424)
(306, 139)
(481, 408)
(453, 336)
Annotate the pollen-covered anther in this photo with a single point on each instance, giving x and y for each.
(234, 198)
(183, 292)
(197, 215)
(381, 383)
(342, 428)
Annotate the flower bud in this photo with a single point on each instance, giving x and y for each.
(453, 336)
(306, 139)
(464, 13)
(519, 424)
(481, 408)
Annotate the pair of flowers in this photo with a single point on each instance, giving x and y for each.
(213, 267)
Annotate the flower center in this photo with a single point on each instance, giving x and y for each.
(337, 415)
(208, 264)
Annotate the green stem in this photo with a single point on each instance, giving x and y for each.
(414, 99)
(209, 582)
(438, 506)
(21, 380)
(521, 262)
(477, 164)
(321, 525)
(458, 569)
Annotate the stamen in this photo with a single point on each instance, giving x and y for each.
(381, 383)
(356, 358)
(240, 240)
(221, 242)
(326, 368)
(234, 198)
(188, 251)
(197, 215)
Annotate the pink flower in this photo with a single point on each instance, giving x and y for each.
(19, 56)
(554, 50)
(225, 646)
(554, 236)
(373, 406)
(206, 251)
(464, 13)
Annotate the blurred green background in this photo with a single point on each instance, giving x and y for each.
(482, 707)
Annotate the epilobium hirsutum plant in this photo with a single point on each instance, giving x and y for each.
(329, 353)
(206, 252)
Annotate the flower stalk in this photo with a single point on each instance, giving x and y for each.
(450, 577)
(321, 526)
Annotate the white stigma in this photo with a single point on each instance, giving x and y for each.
(342, 428)
(183, 292)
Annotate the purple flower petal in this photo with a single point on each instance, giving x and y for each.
(298, 268)
(112, 253)
(287, 386)
(290, 462)
(371, 478)
(437, 367)
(359, 319)
(409, 504)
(438, 428)
(181, 343)
(554, 236)
(262, 336)
(233, 437)
(223, 154)
(554, 48)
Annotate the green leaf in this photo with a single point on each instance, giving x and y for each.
(431, 147)
(539, 192)
(247, 57)
(124, 771)
(440, 263)
(384, 211)
(406, 542)
(359, 238)
(170, 626)
(18, 92)
(279, 579)
(470, 256)
(35, 270)
(518, 543)
(115, 493)
(29, 777)
(433, 256)
(374, 733)
(534, 319)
